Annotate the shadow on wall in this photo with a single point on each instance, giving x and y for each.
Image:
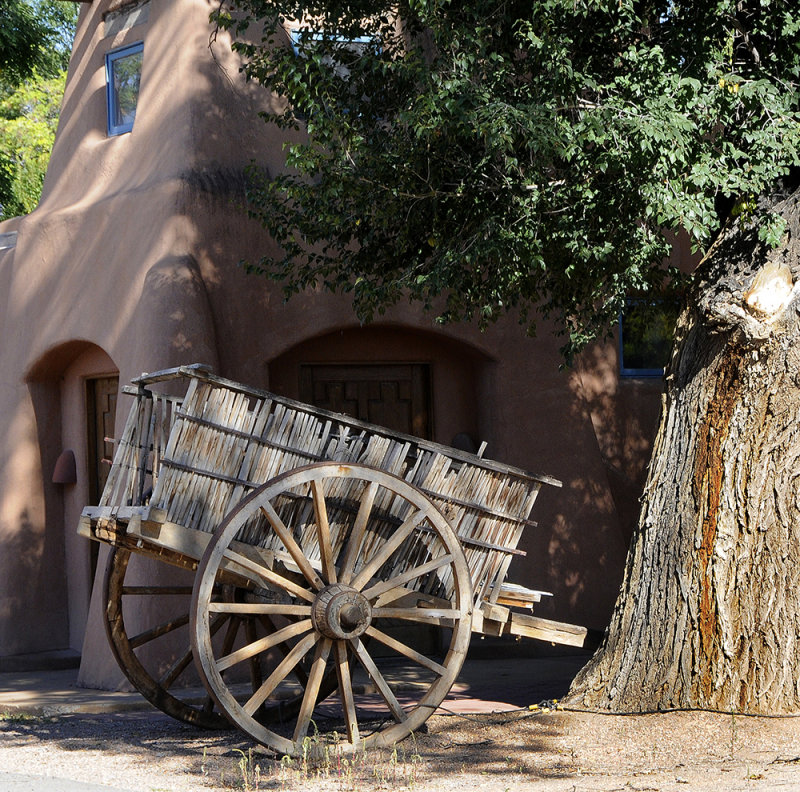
(177, 314)
(602, 450)
(624, 413)
(35, 581)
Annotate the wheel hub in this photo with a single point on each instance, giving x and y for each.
(341, 612)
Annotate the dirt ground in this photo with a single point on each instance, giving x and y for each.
(547, 752)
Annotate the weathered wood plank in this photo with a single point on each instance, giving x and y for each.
(546, 630)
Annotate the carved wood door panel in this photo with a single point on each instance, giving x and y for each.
(394, 395)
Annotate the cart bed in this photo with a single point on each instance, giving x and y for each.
(187, 461)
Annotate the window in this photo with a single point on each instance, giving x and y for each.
(8, 240)
(645, 336)
(123, 74)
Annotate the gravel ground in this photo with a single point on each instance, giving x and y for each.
(549, 752)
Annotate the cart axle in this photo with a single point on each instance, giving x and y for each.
(341, 612)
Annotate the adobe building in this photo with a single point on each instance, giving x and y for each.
(129, 264)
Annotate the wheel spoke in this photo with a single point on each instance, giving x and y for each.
(298, 670)
(424, 615)
(410, 653)
(357, 534)
(346, 691)
(375, 591)
(260, 608)
(385, 552)
(230, 634)
(158, 631)
(269, 576)
(312, 689)
(180, 665)
(323, 532)
(263, 644)
(175, 670)
(375, 675)
(285, 667)
(295, 551)
(255, 665)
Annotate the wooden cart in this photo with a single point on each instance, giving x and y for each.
(314, 545)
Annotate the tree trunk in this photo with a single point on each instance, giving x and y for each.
(708, 616)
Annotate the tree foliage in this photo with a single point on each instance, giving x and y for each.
(28, 121)
(35, 36)
(35, 44)
(485, 157)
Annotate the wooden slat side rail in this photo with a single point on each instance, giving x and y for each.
(202, 372)
(165, 375)
(122, 466)
(223, 437)
(252, 438)
(436, 497)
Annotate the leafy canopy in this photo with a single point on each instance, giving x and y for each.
(28, 121)
(485, 157)
(35, 36)
(35, 43)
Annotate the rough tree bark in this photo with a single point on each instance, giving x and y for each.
(708, 616)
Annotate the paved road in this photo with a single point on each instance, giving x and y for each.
(12, 782)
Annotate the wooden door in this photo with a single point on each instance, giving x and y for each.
(101, 411)
(394, 395)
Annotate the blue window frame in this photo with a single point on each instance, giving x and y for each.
(646, 328)
(123, 75)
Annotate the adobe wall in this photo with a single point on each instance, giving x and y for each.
(130, 265)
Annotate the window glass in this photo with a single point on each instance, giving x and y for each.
(646, 329)
(123, 75)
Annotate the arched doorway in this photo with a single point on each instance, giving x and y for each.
(73, 390)
(419, 383)
(395, 395)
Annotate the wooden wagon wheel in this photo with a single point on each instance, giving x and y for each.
(158, 672)
(134, 652)
(354, 550)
